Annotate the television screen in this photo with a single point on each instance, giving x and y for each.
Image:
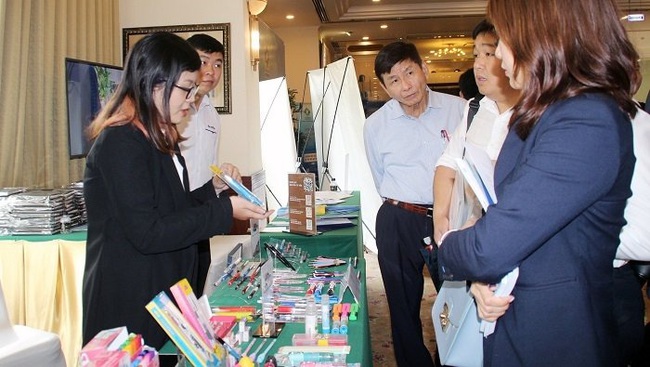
(89, 86)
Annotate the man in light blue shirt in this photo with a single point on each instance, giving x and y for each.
(403, 141)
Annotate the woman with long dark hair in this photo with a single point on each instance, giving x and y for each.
(143, 221)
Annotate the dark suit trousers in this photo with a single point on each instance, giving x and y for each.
(399, 240)
(629, 311)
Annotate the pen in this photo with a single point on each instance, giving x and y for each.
(444, 135)
(249, 347)
(227, 272)
(237, 186)
(254, 290)
(279, 256)
(239, 273)
(252, 356)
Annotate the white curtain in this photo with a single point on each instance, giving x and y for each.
(278, 142)
(338, 128)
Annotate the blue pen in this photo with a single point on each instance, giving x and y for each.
(240, 189)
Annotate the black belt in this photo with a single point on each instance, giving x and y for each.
(421, 209)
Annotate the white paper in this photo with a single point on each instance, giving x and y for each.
(504, 288)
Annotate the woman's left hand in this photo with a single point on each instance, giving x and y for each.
(490, 307)
(230, 170)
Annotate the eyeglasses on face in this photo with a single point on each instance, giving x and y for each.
(191, 92)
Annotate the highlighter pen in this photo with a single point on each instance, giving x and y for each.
(237, 186)
(354, 309)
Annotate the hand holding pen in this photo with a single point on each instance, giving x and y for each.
(236, 185)
(226, 169)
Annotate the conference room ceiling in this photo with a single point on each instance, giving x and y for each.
(432, 25)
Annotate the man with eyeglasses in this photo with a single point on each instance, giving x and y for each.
(202, 130)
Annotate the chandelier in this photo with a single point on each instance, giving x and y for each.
(448, 51)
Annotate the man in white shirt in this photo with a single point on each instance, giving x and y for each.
(403, 140)
(202, 131)
(635, 245)
(488, 128)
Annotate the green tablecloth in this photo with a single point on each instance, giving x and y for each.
(343, 243)
(358, 331)
(71, 236)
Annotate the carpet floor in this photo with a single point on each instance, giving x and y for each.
(379, 319)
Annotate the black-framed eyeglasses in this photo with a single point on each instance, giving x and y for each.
(191, 92)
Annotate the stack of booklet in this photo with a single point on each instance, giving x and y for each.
(79, 200)
(38, 211)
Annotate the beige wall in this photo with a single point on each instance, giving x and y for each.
(240, 140)
(300, 55)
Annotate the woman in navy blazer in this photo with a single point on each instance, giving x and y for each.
(143, 222)
(562, 180)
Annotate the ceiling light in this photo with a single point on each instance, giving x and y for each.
(289, 16)
(365, 38)
(383, 26)
(255, 7)
(634, 17)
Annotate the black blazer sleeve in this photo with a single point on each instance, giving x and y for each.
(145, 198)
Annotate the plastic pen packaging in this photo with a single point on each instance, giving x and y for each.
(240, 189)
(300, 358)
(325, 316)
(319, 339)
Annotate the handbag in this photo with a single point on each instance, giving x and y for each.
(455, 318)
(457, 326)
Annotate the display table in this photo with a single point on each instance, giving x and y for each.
(343, 243)
(42, 281)
(358, 331)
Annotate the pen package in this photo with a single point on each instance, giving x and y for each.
(319, 339)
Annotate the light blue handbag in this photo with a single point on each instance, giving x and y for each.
(457, 326)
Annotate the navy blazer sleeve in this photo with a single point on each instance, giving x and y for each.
(553, 182)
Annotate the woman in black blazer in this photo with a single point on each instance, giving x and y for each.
(143, 222)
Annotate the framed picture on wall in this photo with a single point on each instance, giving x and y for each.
(221, 95)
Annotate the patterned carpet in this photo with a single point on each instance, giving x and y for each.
(382, 345)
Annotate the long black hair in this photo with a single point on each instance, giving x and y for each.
(159, 58)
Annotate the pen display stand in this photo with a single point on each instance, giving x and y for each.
(269, 328)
